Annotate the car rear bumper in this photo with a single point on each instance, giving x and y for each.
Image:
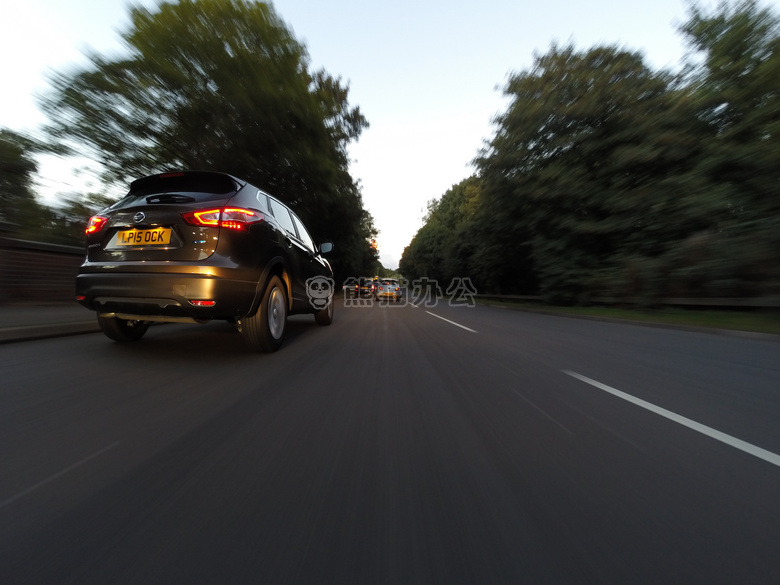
(166, 295)
(390, 296)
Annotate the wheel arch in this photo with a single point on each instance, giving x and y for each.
(277, 266)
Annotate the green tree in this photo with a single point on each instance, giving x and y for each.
(220, 85)
(606, 178)
(20, 212)
(735, 78)
(437, 250)
(578, 173)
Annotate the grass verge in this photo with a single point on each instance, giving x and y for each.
(764, 321)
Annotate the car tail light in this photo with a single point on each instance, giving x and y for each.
(233, 218)
(203, 303)
(95, 224)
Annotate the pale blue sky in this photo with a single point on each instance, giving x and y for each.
(426, 74)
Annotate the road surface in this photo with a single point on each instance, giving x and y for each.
(401, 445)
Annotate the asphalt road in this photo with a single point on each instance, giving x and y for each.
(394, 447)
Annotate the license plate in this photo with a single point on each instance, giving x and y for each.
(152, 237)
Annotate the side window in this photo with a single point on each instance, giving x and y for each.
(262, 199)
(282, 215)
(302, 233)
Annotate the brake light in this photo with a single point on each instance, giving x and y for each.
(207, 217)
(95, 224)
(237, 219)
(203, 303)
(234, 218)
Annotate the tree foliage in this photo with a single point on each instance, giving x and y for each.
(22, 215)
(436, 250)
(606, 178)
(18, 206)
(737, 87)
(17, 171)
(221, 85)
(583, 156)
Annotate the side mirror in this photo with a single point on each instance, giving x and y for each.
(326, 247)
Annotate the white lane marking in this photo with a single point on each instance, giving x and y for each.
(56, 475)
(451, 322)
(748, 448)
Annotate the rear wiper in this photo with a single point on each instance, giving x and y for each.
(169, 198)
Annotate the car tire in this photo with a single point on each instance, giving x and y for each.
(122, 330)
(325, 316)
(264, 331)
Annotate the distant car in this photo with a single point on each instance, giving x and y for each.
(197, 246)
(366, 287)
(351, 287)
(389, 289)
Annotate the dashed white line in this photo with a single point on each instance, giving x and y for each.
(748, 448)
(56, 476)
(451, 322)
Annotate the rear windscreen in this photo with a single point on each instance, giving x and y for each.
(188, 186)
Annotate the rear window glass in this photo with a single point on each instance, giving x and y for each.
(280, 213)
(303, 235)
(181, 188)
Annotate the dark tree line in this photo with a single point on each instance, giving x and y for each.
(606, 178)
(18, 206)
(222, 85)
(22, 214)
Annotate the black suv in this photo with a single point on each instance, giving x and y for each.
(195, 246)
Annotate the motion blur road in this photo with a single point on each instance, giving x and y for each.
(400, 445)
